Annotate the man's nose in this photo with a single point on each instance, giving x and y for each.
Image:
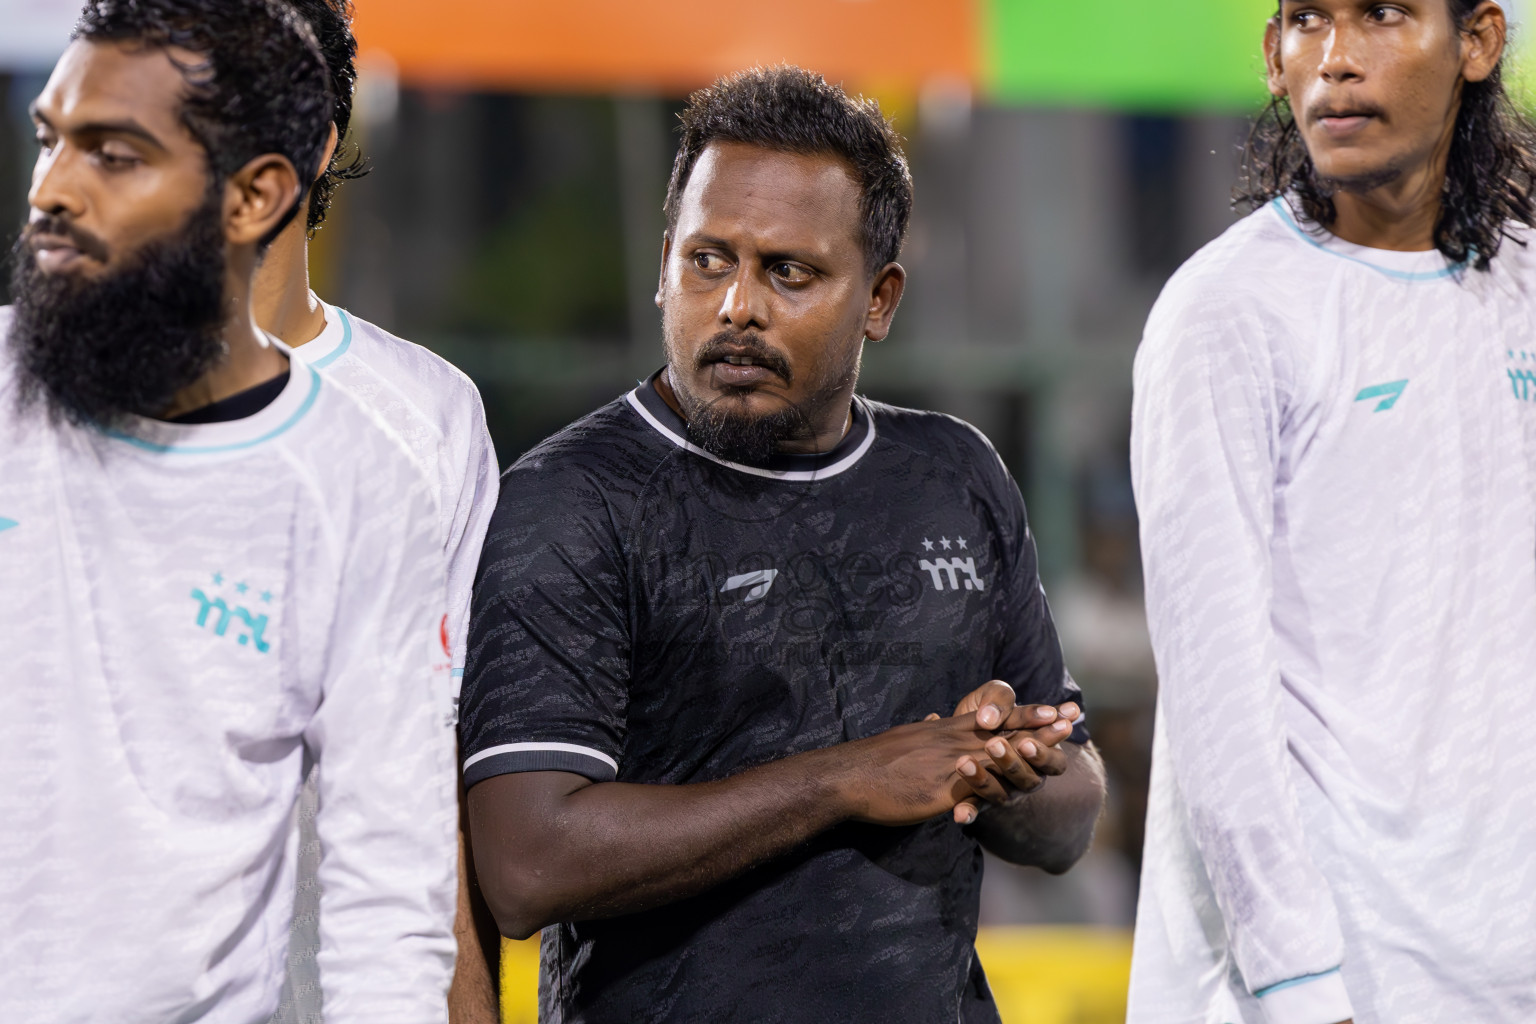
(1341, 52)
(54, 190)
(746, 300)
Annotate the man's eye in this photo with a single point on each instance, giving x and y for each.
(790, 273)
(116, 157)
(1386, 15)
(710, 262)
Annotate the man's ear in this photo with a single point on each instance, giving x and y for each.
(258, 197)
(661, 278)
(1482, 41)
(884, 297)
(1274, 70)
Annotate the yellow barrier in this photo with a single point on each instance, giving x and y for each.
(1038, 975)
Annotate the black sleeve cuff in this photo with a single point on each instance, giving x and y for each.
(508, 758)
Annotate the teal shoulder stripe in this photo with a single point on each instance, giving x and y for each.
(1278, 986)
(1401, 275)
(346, 341)
(213, 449)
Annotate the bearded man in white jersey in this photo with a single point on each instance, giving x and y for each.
(219, 565)
(437, 411)
(1334, 452)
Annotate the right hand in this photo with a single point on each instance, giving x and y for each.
(907, 775)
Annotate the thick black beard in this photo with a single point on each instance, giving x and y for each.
(737, 437)
(98, 351)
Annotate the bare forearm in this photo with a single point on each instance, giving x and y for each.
(615, 848)
(472, 998)
(1051, 827)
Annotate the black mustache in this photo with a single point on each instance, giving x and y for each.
(728, 343)
(53, 224)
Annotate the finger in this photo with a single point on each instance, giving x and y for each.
(932, 718)
(1031, 716)
(993, 702)
(980, 781)
(1011, 766)
(1047, 736)
(1070, 711)
(967, 810)
(1042, 759)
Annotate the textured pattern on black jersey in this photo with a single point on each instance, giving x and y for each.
(643, 606)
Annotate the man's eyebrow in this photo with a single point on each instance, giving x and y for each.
(813, 256)
(699, 238)
(126, 126)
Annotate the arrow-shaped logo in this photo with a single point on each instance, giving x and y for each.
(759, 581)
(1388, 393)
(6, 524)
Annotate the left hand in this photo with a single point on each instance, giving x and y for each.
(1025, 751)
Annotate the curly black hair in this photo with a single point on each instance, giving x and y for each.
(793, 110)
(332, 22)
(261, 85)
(1490, 175)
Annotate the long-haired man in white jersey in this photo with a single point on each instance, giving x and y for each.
(1334, 451)
(438, 413)
(218, 565)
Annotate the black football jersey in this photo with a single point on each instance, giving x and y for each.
(648, 612)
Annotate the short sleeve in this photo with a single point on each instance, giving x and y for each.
(546, 679)
(1029, 652)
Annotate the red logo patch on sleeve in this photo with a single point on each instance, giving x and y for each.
(442, 634)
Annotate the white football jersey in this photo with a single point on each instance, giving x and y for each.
(438, 413)
(187, 610)
(1334, 453)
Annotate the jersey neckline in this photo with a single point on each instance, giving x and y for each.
(646, 401)
(333, 340)
(1428, 265)
(280, 415)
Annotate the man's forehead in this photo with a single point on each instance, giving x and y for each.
(105, 82)
(738, 184)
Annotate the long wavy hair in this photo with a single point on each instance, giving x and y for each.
(1490, 175)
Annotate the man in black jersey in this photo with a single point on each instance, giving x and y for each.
(716, 621)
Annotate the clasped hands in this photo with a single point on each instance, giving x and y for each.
(1018, 759)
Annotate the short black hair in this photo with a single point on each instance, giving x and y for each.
(332, 22)
(1490, 174)
(260, 87)
(793, 110)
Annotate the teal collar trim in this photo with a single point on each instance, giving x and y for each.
(218, 449)
(340, 350)
(1450, 270)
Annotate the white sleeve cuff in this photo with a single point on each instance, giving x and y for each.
(1314, 999)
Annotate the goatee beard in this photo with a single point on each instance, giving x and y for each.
(737, 437)
(720, 427)
(100, 350)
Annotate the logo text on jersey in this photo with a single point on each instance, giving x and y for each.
(1388, 393)
(1522, 379)
(6, 524)
(949, 570)
(250, 633)
(760, 583)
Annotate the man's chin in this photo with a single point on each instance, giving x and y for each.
(1355, 176)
